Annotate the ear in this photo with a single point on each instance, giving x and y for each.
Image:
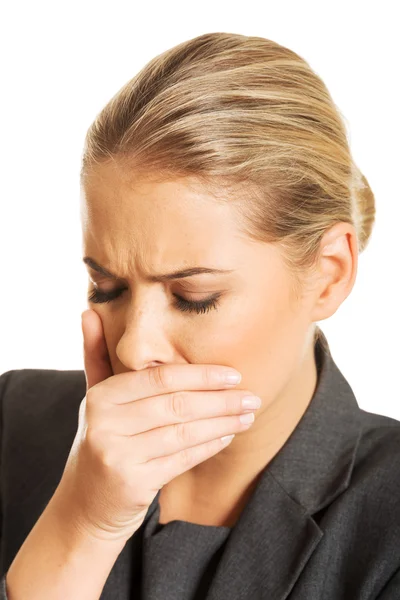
(337, 269)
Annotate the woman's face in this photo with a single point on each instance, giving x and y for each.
(141, 229)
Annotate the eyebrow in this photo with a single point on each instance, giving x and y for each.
(159, 277)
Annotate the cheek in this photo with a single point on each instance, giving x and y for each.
(263, 338)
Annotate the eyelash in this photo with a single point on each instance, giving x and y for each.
(100, 297)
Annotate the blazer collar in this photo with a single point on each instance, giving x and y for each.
(315, 464)
(276, 534)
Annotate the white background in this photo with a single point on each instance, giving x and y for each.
(61, 63)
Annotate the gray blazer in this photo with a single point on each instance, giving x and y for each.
(322, 523)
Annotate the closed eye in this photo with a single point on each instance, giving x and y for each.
(202, 306)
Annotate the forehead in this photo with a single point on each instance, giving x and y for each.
(126, 218)
(109, 187)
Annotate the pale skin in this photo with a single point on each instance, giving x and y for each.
(135, 227)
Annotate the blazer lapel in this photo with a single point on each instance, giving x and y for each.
(268, 547)
(276, 534)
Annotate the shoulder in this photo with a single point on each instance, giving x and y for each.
(39, 409)
(378, 452)
(361, 526)
(368, 511)
(34, 393)
(372, 493)
(374, 480)
(39, 419)
(20, 384)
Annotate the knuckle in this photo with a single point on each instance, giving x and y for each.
(107, 458)
(92, 417)
(185, 458)
(228, 407)
(177, 404)
(208, 374)
(82, 413)
(90, 398)
(182, 434)
(92, 404)
(158, 378)
(89, 415)
(95, 442)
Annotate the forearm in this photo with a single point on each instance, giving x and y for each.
(59, 562)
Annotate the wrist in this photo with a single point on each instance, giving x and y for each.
(78, 530)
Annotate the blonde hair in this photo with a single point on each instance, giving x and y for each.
(244, 114)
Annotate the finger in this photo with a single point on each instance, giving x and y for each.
(163, 469)
(163, 379)
(164, 441)
(178, 407)
(95, 352)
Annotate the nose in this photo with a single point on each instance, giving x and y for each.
(144, 342)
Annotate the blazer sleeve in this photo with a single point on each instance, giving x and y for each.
(4, 379)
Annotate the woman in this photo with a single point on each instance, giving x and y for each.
(222, 217)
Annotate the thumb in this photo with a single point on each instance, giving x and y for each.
(95, 352)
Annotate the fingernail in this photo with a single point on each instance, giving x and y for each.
(251, 402)
(232, 377)
(246, 418)
(227, 438)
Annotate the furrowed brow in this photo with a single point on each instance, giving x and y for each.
(159, 277)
